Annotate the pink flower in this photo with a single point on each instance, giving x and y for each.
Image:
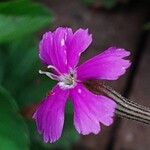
(60, 51)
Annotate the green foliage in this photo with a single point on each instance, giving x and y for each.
(13, 130)
(2, 64)
(19, 65)
(20, 18)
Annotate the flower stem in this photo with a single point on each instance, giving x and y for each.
(125, 107)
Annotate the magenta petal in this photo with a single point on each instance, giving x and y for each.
(45, 46)
(49, 116)
(108, 65)
(90, 110)
(79, 43)
(53, 50)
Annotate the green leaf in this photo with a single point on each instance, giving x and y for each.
(22, 62)
(2, 65)
(13, 130)
(20, 18)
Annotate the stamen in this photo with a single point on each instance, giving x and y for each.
(52, 67)
(50, 75)
(65, 80)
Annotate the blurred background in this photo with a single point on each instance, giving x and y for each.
(122, 23)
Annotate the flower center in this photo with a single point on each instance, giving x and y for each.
(65, 81)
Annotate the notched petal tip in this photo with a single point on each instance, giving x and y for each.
(90, 110)
(49, 117)
(109, 65)
(118, 52)
(80, 41)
